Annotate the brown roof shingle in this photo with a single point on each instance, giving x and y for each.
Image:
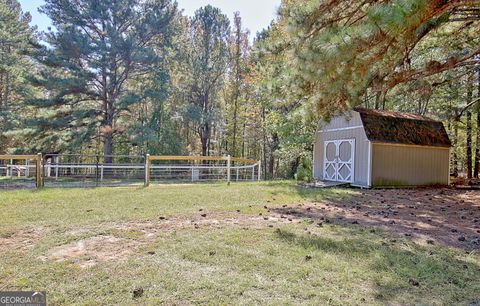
(403, 128)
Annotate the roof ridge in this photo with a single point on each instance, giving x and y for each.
(394, 114)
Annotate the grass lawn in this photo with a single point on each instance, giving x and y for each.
(217, 244)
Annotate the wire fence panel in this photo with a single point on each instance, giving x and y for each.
(18, 172)
(187, 171)
(77, 170)
(198, 170)
(244, 173)
(92, 170)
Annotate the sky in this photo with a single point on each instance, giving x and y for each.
(256, 14)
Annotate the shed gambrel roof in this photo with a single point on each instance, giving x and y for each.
(403, 128)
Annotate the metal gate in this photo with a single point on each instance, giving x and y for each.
(338, 160)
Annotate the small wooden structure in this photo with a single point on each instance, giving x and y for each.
(375, 148)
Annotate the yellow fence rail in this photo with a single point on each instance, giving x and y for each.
(225, 168)
(38, 165)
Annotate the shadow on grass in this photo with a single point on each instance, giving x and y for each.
(444, 216)
(400, 270)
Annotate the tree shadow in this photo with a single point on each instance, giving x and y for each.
(436, 216)
(397, 271)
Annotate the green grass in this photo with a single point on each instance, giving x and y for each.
(220, 263)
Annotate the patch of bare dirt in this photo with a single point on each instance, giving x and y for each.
(24, 238)
(87, 252)
(90, 251)
(150, 229)
(434, 216)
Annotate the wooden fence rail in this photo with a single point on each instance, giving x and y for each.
(228, 165)
(38, 165)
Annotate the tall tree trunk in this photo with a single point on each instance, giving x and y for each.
(204, 138)
(108, 135)
(243, 138)
(477, 145)
(264, 170)
(454, 144)
(237, 76)
(477, 142)
(468, 147)
(107, 123)
(275, 146)
(377, 99)
(468, 162)
(6, 93)
(108, 147)
(234, 140)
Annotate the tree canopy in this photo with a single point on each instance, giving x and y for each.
(138, 76)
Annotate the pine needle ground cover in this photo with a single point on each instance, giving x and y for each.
(252, 243)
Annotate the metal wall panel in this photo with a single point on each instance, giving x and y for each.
(405, 165)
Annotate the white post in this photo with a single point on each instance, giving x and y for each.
(229, 164)
(49, 167)
(56, 167)
(237, 174)
(101, 172)
(27, 169)
(192, 170)
(259, 170)
(147, 170)
(253, 173)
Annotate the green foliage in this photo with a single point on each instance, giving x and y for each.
(16, 37)
(206, 55)
(340, 50)
(304, 170)
(97, 50)
(136, 76)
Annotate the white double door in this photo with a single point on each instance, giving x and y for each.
(339, 160)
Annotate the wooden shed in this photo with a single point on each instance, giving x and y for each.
(374, 148)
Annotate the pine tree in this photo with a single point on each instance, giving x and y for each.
(339, 49)
(206, 60)
(16, 37)
(98, 48)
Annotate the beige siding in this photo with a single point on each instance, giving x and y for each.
(346, 127)
(403, 165)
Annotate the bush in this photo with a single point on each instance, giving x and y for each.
(304, 170)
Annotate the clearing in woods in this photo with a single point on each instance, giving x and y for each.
(248, 243)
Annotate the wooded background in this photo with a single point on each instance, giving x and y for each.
(137, 76)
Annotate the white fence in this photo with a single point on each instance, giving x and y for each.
(97, 170)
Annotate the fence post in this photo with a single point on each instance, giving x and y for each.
(97, 161)
(57, 160)
(38, 171)
(229, 164)
(192, 163)
(147, 170)
(259, 170)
